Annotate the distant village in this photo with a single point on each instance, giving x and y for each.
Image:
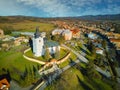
(68, 30)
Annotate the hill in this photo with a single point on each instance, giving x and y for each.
(13, 19)
(101, 17)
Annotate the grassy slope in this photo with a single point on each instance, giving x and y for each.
(67, 81)
(73, 79)
(13, 61)
(67, 62)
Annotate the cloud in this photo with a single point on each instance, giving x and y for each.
(82, 3)
(58, 8)
(10, 7)
(52, 7)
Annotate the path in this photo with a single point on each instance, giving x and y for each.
(105, 73)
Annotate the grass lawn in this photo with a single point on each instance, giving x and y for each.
(63, 53)
(31, 55)
(14, 62)
(14, 58)
(28, 26)
(67, 62)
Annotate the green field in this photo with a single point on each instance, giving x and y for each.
(67, 62)
(27, 26)
(14, 62)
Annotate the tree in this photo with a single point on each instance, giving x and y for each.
(47, 55)
(7, 29)
(61, 39)
(92, 49)
(91, 72)
(55, 37)
(104, 44)
(90, 69)
(57, 54)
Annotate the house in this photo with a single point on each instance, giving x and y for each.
(1, 32)
(20, 40)
(66, 33)
(116, 42)
(92, 35)
(4, 84)
(99, 51)
(75, 33)
(57, 31)
(40, 45)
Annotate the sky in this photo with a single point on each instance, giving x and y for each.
(58, 8)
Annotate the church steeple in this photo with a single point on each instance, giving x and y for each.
(37, 33)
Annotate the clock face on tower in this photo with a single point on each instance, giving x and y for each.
(39, 40)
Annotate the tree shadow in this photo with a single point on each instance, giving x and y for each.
(31, 44)
(71, 62)
(86, 87)
(7, 76)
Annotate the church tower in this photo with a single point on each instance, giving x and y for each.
(38, 44)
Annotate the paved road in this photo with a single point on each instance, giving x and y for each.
(54, 68)
(82, 58)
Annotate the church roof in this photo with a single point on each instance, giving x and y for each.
(37, 33)
(51, 43)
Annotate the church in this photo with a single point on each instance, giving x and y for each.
(40, 44)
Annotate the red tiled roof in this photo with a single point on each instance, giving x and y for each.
(114, 40)
(74, 31)
(4, 82)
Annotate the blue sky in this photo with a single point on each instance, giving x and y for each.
(58, 8)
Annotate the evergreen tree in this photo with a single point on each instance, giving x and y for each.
(104, 44)
(47, 55)
(57, 54)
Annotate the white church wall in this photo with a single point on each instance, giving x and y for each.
(38, 46)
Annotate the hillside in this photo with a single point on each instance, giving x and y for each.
(13, 19)
(29, 23)
(101, 17)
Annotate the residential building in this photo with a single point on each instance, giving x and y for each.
(99, 51)
(1, 32)
(92, 35)
(20, 40)
(75, 33)
(116, 42)
(66, 33)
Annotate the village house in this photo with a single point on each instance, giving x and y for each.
(1, 32)
(92, 35)
(4, 84)
(7, 38)
(20, 40)
(75, 33)
(116, 42)
(66, 33)
(99, 51)
(109, 34)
